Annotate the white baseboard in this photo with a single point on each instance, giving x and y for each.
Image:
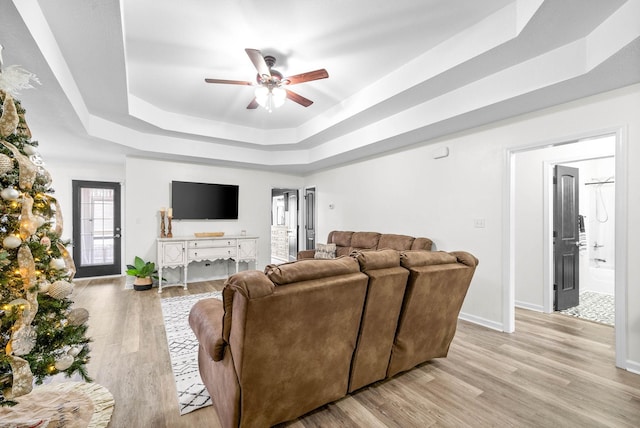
(530, 306)
(481, 321)
(633, 367)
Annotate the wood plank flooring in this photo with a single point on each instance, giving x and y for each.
(554, 371)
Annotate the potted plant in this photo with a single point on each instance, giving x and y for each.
(145, 273)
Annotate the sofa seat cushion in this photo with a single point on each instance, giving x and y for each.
(305, 270)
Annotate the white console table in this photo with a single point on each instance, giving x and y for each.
(179, 252)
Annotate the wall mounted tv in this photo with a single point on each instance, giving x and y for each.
(204, 201)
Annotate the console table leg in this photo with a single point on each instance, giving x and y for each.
(160, 280)
(185, 277)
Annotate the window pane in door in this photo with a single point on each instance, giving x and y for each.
(96, 226)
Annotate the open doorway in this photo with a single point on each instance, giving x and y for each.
(284, 225)
(529, 230)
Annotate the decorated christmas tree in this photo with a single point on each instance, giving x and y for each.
(40, 333)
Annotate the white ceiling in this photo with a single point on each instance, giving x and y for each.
(128, 77)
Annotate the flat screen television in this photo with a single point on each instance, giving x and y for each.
(204, 201)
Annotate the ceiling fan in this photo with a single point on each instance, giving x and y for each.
(271, 92)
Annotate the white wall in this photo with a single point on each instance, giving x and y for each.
(148, 187)
(530, 168)
(409, 192)
(599, 225)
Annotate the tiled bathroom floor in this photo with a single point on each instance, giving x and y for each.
(594, 307)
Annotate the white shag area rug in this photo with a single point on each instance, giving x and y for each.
(66, 404)
(183, 350)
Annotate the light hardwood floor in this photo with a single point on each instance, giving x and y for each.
(554, 371)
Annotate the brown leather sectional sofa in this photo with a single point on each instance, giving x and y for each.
(303, 334)
(347, 241)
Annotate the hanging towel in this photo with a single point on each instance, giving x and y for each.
(582, 235)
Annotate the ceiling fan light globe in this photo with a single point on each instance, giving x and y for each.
(279, 95)
(262, 95)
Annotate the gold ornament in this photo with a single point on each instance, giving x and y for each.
(78, 316)
(9, 119)
(6, 164)
(60, 289)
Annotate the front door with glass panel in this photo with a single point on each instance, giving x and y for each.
(96, 228)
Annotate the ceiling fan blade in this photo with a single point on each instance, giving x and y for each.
(258, 62)
(253, 104)
(306, 77)
(305, 102)
(229, 82)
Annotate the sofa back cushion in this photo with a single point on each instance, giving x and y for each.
(365, 240)
(395, 242)
(381, 259)
(422, 244)
(417, 258)
(305, 270)
(340, 238)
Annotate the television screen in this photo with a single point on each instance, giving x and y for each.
(203, 201)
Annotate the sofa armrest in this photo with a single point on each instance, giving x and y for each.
(306, 254)
(466, 258)
(205, 320)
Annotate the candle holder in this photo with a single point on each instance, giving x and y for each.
(169, 234)
(162, 234)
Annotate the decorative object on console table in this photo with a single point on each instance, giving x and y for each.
(145, 273)
(208, 234)
(170, 217)
(162, 234)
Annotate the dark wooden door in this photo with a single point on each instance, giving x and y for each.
(96, 228)
(566, 238)
(310, 217)
(291, 204)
